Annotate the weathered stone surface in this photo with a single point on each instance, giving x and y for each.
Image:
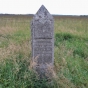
(42, 28)
(42, 24)
(43, 49)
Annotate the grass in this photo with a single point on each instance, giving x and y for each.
(70, 52)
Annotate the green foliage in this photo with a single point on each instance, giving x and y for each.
(71, 54)
(74, 52)
(3, 42)
(62, 37)
(20, 36)
(77, 72)
(80, 53)
(17, 74)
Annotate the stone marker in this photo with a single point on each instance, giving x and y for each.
(42, 28)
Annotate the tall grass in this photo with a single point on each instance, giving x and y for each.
(70, 52)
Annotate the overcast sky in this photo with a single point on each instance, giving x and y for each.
(61, 7)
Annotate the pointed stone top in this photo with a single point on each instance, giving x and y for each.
(43, 13)
(43, 24)
(42, 6)
(42, 9)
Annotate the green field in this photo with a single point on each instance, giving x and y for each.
(70, 52)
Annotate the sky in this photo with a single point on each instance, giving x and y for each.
(58, 7)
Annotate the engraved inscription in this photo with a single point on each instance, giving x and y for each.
(43, 49)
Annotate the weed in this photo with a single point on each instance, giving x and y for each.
(71, 54)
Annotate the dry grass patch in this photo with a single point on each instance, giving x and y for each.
(13, 49)
(7, 30)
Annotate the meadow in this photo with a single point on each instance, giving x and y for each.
(70, 53)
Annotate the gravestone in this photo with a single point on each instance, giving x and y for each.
(42, 28)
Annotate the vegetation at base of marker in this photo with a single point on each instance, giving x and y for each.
(71, 53)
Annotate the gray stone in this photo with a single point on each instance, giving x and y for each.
(42, 28)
